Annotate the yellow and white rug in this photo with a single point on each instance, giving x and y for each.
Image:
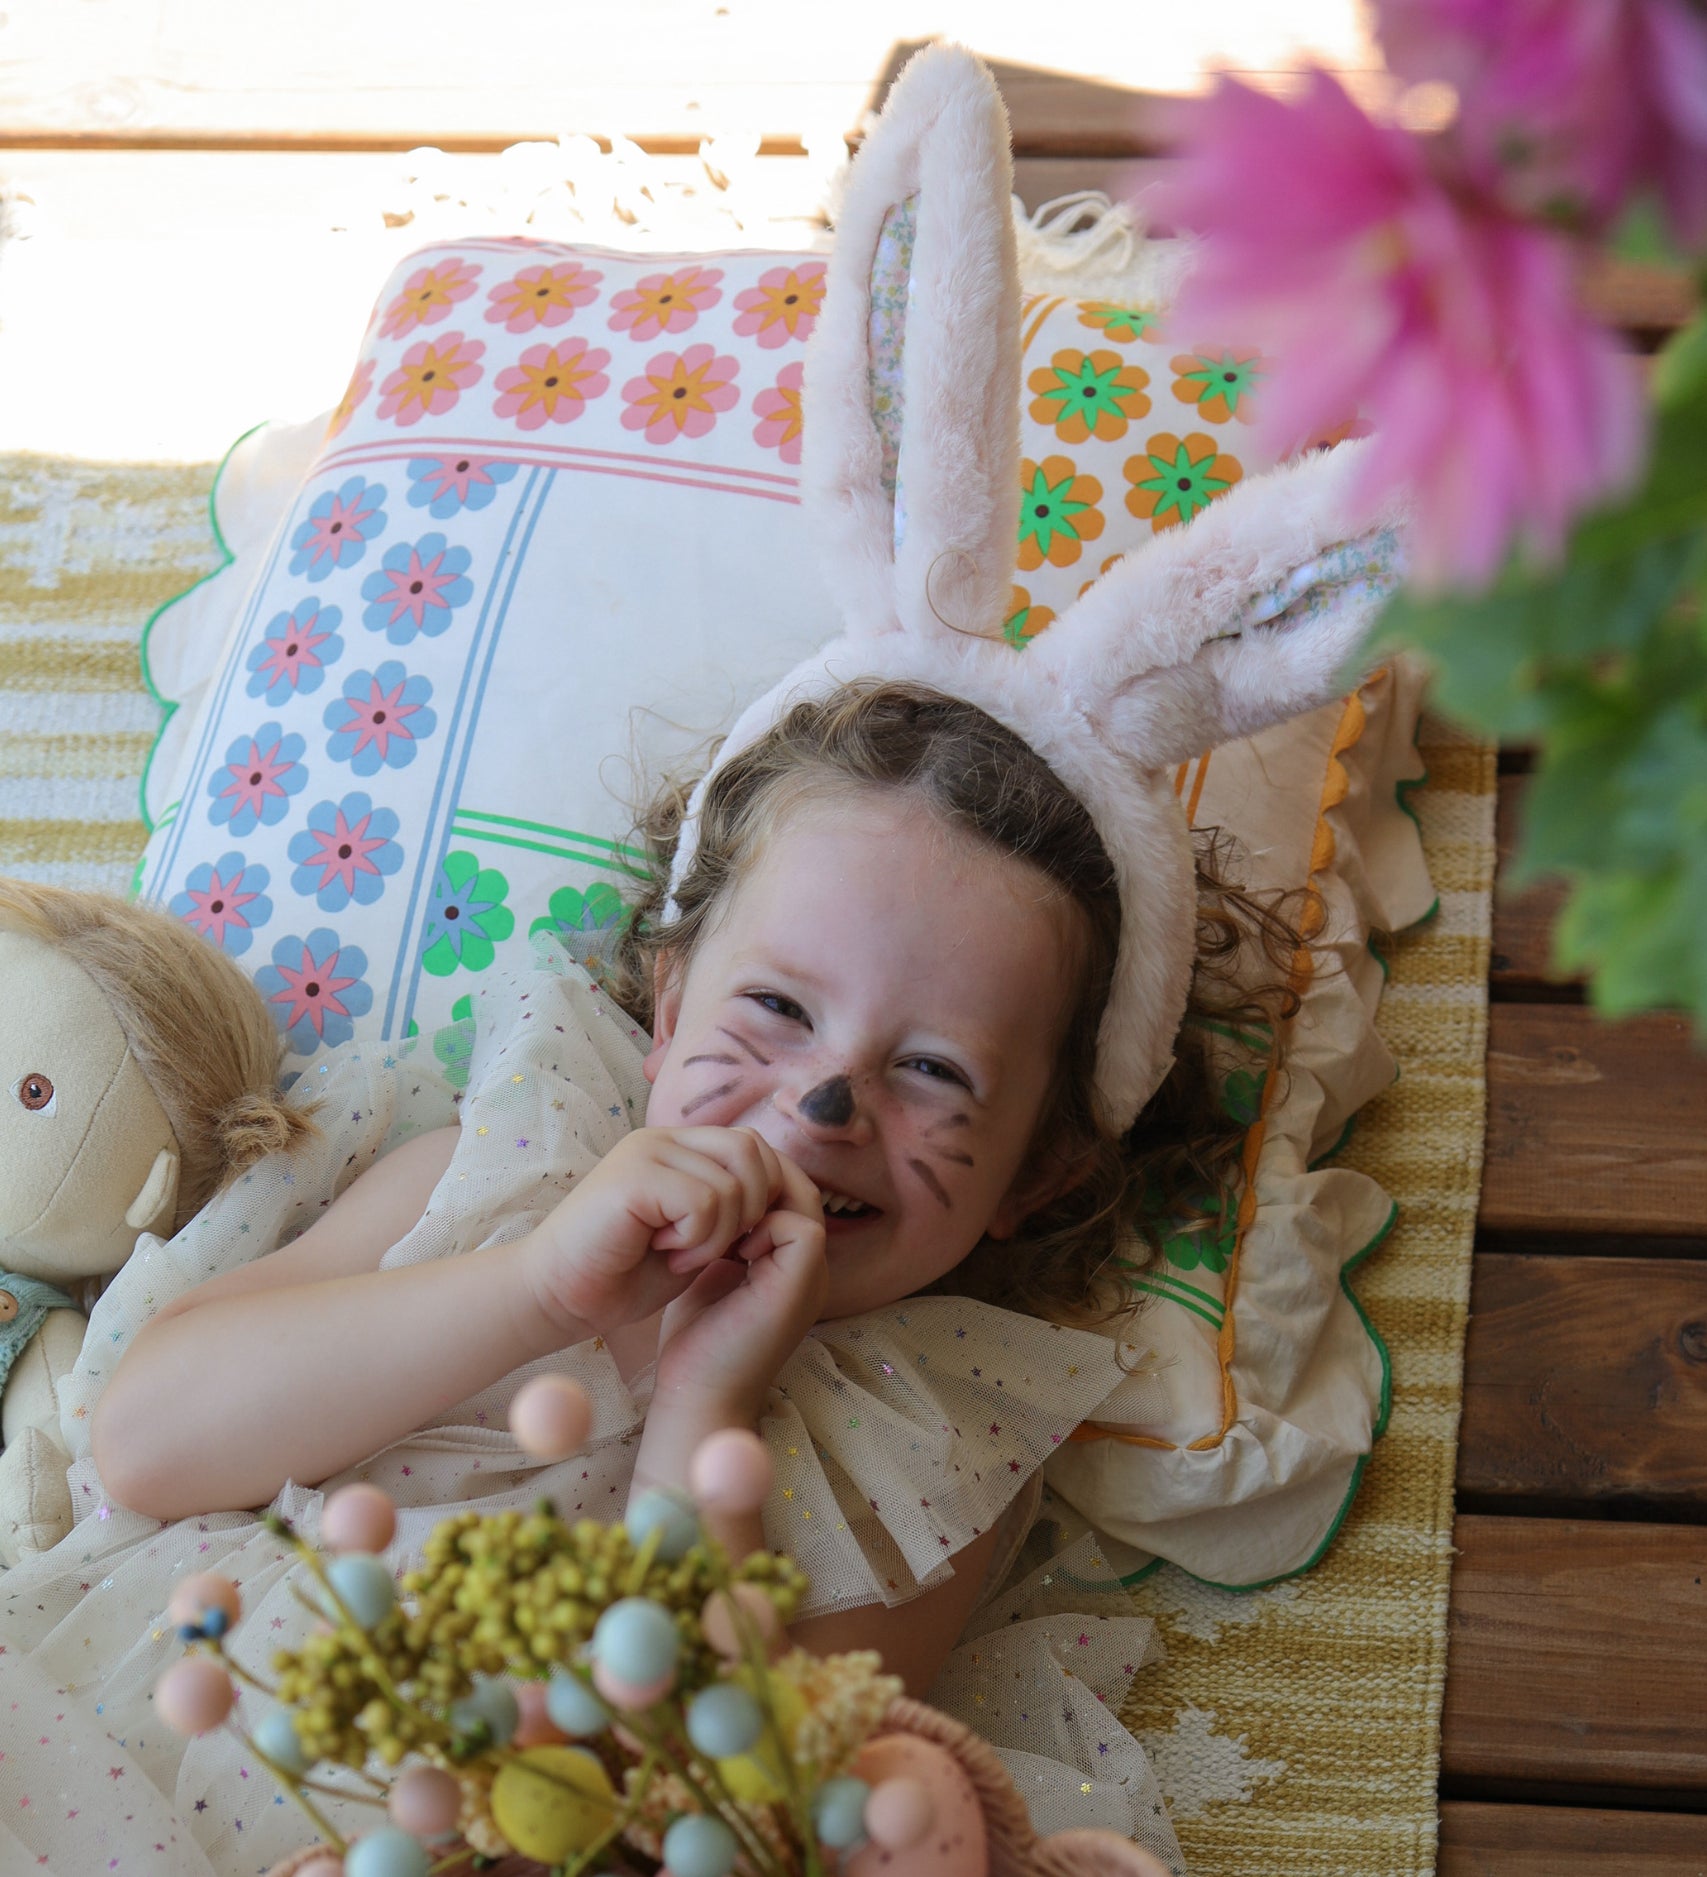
(1295, 1729)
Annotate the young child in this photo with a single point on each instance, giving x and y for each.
(875, 1008)
(915, 985)
(875, 995)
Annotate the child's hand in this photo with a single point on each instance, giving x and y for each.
(662, 1205)
(724, 1339)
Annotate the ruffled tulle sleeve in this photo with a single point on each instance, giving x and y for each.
(901, 1436)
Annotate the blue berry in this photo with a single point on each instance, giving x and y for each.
(493, 1702)
(636, 1641)
(215, 1622)
(573, 1706)
(364, 1584)
(275, 1736)
(724, 1720)
(670, 1518)
(387, 1852)
(838, 1812)
(697, 1846)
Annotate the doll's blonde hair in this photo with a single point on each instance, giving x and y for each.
(197, 1027)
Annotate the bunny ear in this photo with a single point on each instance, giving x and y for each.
(912, 385)
(1251, 614)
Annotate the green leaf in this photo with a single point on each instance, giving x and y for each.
(1482, 649)
(1680, 370)
(1641, 235)
(1641, 938)
(1673, 494)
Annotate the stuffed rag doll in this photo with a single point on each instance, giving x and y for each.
(138, 1072)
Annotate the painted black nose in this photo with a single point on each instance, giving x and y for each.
(830, 1104)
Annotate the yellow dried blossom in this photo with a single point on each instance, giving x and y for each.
(846, 1696)
(475, 1820)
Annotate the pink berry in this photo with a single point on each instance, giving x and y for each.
(358, 1518)
(535, 1728)
(898, 1814)
(426, 1802)
(731, 1471)
(628, 1694)
(726, 1634)
(194, 1596)
(194, 1695)
(551, 1417)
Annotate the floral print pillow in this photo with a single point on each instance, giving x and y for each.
(558, 484)
(555, 518)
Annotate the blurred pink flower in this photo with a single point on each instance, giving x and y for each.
(1454, 329)
(1568, 107)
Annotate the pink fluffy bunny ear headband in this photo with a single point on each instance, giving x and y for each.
(1245, 617)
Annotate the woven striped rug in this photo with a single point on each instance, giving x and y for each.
(87, 552)
(1295, 1729)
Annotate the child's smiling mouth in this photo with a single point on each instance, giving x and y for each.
(844, 1209)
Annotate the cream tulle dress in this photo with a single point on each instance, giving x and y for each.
(897, 1437)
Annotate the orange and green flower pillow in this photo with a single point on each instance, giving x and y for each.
(1129, 427)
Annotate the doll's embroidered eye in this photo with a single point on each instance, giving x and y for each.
(35, 1092)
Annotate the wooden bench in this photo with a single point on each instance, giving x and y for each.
(1575, 1727)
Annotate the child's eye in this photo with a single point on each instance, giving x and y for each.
(779, 1005)
(938, 1071)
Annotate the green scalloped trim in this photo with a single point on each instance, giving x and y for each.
(1329, 1153)
(1383, 1415)
(169, 705)
(1403, 789)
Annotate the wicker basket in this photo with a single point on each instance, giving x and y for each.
(1015, 1849)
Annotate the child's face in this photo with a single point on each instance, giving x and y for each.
(882, 1000)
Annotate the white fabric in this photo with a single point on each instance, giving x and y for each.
(897, 1438)
(1244, 1485)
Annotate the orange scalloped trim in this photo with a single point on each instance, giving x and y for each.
(1336, 785)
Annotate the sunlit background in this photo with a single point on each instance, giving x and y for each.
(156, 301)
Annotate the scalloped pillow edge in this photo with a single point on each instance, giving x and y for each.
(1373, 878)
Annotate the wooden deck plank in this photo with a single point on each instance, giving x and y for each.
(1522, 959)
(1578, 1652)
(1479, 1840)
(1586, 1378)
(378, 74)
(1594, 1126)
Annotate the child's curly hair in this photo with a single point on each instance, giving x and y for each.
(1180, 1157)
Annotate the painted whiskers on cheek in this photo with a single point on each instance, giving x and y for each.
(935, 1186)
(724, 1060)
(711, 1094)
(946, 1125)
(926, 1176)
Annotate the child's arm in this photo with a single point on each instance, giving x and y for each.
(312, 1358)
(915, 1638)
(724, 1340)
